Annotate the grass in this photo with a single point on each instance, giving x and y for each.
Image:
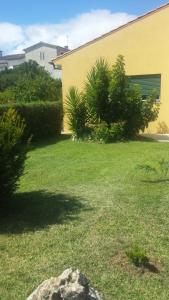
(83, 205)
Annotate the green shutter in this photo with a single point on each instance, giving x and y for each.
(147, 83)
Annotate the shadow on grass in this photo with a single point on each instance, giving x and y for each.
(155, 181)
(141, 138)
(49, 141)
(152, 268)
(62, 137)
(33, 211)
(135, 139)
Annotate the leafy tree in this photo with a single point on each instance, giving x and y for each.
(97, 91)
(28, 82)
(76, 112)
(126, 103)
(111, 103)
(12, 152)
(139, 112)
(31, 69)
(118, 90)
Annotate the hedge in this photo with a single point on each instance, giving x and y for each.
(43, 119)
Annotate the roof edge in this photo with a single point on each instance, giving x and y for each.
(39, 44)
(13, 56)
(112, 31)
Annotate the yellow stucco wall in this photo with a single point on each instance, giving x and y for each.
(145, 46)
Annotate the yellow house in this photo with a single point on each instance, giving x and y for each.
(144, 42)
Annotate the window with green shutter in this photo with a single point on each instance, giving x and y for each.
(148, 84)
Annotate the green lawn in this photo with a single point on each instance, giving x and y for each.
(83, 205)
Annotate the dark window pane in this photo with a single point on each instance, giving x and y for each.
(147, 83)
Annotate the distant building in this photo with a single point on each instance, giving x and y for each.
(10, 61)
(42, 53)
(3, 65)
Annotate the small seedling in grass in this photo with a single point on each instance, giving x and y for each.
(147, 169)
(138, 256)
(160, 168)
(164, 167)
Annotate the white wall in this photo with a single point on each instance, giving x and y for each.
(15, 62)
(10, 63)
(3, 65)
(43, 56)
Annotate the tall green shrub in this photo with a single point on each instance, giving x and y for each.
(118, 91)
(76, 112)
(138, 112)
(126, 103)
(42, 119)
(12, 152)
(109, 98)
(97, 92)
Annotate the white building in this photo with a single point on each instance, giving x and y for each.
(10, 61)
(42, 53)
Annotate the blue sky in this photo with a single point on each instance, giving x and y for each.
(49, 11)
(24, 23)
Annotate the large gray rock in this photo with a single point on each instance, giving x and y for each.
(70, 285)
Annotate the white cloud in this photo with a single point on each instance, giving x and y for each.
(11, 35)
(79, 30)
